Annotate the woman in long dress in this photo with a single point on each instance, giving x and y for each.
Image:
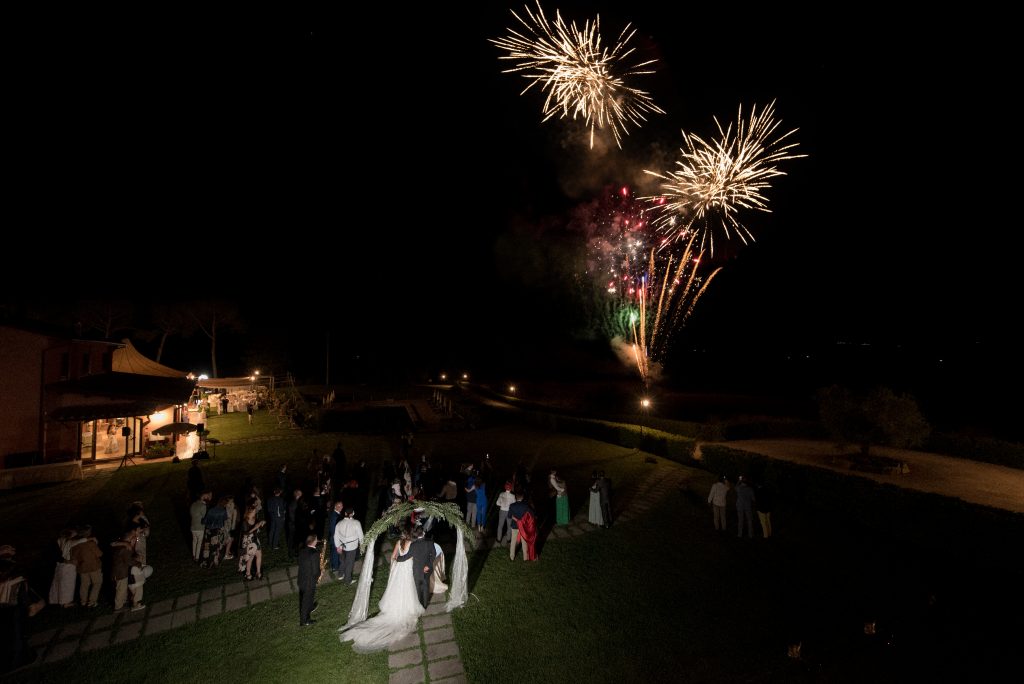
(62, 591)
(250, 549)
(595, 517)
(399, 607)
(561, 498)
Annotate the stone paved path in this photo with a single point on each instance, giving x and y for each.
(430, 652)
(104, 630)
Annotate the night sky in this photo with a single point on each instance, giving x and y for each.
(380, 179)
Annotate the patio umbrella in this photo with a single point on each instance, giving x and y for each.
(175, 429)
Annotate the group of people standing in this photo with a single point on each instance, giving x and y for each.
(600, 512)
(216, 528)
(79, 561)
(748, 498)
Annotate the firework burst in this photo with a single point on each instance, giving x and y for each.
(581, 78)
(714, 180)
(646, 292)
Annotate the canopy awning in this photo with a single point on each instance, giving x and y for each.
(114, 395)
(127, 387)
(116, 409)
(127, 359)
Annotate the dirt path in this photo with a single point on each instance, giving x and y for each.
(980, 483)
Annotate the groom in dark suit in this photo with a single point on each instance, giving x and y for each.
(422, 554)
(309, 575)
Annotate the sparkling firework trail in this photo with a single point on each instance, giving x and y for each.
(581, 78)
(668, 292)
(714, 180)
(648, 292)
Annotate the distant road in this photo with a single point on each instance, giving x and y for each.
(974, 482)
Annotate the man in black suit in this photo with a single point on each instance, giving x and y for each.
(309, 575)
(422, 555)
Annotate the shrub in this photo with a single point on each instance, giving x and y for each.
(879, 418)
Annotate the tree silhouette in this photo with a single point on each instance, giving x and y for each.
(171, 320)
(878, 418)
(105, 317)
(213, 318)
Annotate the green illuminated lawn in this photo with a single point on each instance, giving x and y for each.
(659, 598)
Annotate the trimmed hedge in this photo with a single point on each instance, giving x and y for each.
(984, 449)
(901, 513)
(884, 509)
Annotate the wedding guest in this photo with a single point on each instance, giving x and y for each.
(120, 568)
(298, 523)
(745, 507)
(282, 478)
(561, 493)
(230, 525)
(348, 535)
(250, 551)
(333, 519)
(139, 573)
(449, 492)
(277, 514)
(137, 518)
(86, 557)
(62, 590)
(18, 602)
(505, 499)
(471, 500)
(214, 522)
(309, 575)
(594, 516)
(197, 511)
(716, 499)
(481, 504)
(524, 527)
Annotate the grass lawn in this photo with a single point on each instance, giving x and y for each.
(658, 598)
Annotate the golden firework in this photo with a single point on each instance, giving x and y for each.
(581, 78)
(714, 180)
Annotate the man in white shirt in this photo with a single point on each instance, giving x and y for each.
(716, 499)
(348, 535)
(505, 499)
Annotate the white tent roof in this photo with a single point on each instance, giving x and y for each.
(128, 359)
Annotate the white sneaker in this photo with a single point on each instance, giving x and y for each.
(141, 606)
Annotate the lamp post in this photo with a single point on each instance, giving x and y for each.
(645, 404)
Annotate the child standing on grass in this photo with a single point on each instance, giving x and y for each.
(139, 573)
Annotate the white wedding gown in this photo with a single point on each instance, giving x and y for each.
(399, 610)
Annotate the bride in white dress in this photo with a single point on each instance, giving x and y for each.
(399, 608)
